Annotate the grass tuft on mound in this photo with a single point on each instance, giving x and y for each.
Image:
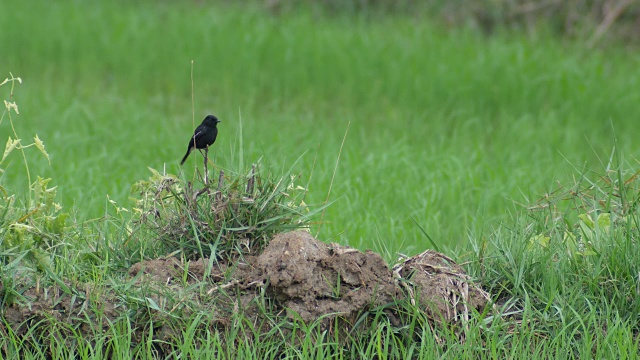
(237, 215)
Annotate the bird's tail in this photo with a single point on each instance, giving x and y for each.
(186, 156)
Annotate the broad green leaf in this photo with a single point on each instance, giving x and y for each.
(586, 218)
(58, 223)
(540, 240)
(604, 221)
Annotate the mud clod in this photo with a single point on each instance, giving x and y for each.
(312, 279)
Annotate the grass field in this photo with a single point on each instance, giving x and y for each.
(438, 119)
(448, 127)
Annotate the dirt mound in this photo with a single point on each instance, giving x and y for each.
(299, 276)
(168, 270)
(55, 305)
(312, 279)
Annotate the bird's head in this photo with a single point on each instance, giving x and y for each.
(211, 120)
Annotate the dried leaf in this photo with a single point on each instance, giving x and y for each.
(40, 146)
(11, 144)
(11, 105)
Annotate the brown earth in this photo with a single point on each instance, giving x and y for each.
(300, 277)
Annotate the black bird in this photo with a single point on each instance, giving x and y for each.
(204, 136)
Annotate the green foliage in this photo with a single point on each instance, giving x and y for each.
(37, 226)
(590, 215)
(33, 232)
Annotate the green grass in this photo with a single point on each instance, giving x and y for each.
(447, 127)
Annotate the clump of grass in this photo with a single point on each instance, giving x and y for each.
(238, 215)
(574, 225)
(566, 269)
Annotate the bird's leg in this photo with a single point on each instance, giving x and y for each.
(206, 173)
